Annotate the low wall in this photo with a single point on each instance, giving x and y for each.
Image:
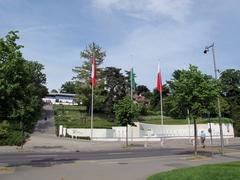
(83, 132)
(184, 130)
(156, 132)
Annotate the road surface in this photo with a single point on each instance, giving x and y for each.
(46, 159)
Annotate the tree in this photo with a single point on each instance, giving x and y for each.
(125, 111)
(54, 91)
(230, 82)
(83, 77)
(83, 73)
(115, 87)
(142, 89)
(155, 98)
(195, 92)
(22, 86)
(68, 87)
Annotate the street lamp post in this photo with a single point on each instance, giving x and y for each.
(218, 97)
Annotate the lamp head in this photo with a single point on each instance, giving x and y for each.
(205, 50)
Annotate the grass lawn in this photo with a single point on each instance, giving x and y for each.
(225, 171)
(76, 117)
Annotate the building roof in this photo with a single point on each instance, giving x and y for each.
(61, 94)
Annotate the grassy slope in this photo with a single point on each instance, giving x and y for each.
(225, 171)
(74, 116)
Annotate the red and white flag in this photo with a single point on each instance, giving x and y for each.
(94, 74)
(159, 81)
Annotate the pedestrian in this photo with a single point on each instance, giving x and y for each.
(203, 138)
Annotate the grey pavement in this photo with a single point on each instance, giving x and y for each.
(110, 169)
(46, 125)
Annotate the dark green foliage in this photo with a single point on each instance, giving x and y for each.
(155, 98)
(125, 111)
(13, 138)
(68, 87)
(141, 89)
(115, 87)
(54, 91)
(230, 81)
(83, 78)
(142, 109)
(21, 87)
(191, 90)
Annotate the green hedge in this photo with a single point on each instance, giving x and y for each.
(12, 138)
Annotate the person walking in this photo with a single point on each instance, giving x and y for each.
(203, 138)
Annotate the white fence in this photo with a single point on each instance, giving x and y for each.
(151, 131)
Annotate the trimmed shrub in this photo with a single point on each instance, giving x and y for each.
(13, 138)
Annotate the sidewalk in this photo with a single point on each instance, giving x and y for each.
(51, 143)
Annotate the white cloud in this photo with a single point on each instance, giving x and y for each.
(175, 46)
(148, 9)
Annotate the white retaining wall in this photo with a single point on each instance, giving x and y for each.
(83, 132)
(184, 130)
(143, 130)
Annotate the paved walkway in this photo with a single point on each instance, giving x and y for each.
(51, 143)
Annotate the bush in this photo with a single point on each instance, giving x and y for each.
(142, 109)
(13, 138)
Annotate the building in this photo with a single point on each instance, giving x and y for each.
(60, 98)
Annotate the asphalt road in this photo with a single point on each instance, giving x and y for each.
(41, 159)
(48, 159)
(125, 164)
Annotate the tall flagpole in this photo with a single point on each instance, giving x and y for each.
(161, 107)
(93, 85)
(160, 91)
(131, 78)
(92, 116)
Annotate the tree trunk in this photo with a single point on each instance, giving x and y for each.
(195, 137)
(126, 135)
(21, 126)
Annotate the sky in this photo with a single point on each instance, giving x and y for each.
(134, 33)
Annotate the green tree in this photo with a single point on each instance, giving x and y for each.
(155, 98)
(195, 92)
(125, 112)
(54, 91)
(83, 77)
(68, 87)
(142, 89)
(115, 87)
(230, 82)
(22, 86)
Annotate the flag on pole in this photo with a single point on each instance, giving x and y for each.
(132, 79)
(159, 81)
(160, 88)
(94, 74)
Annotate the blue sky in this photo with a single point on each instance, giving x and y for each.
(136, 33)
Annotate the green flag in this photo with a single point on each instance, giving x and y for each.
(132, 80)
